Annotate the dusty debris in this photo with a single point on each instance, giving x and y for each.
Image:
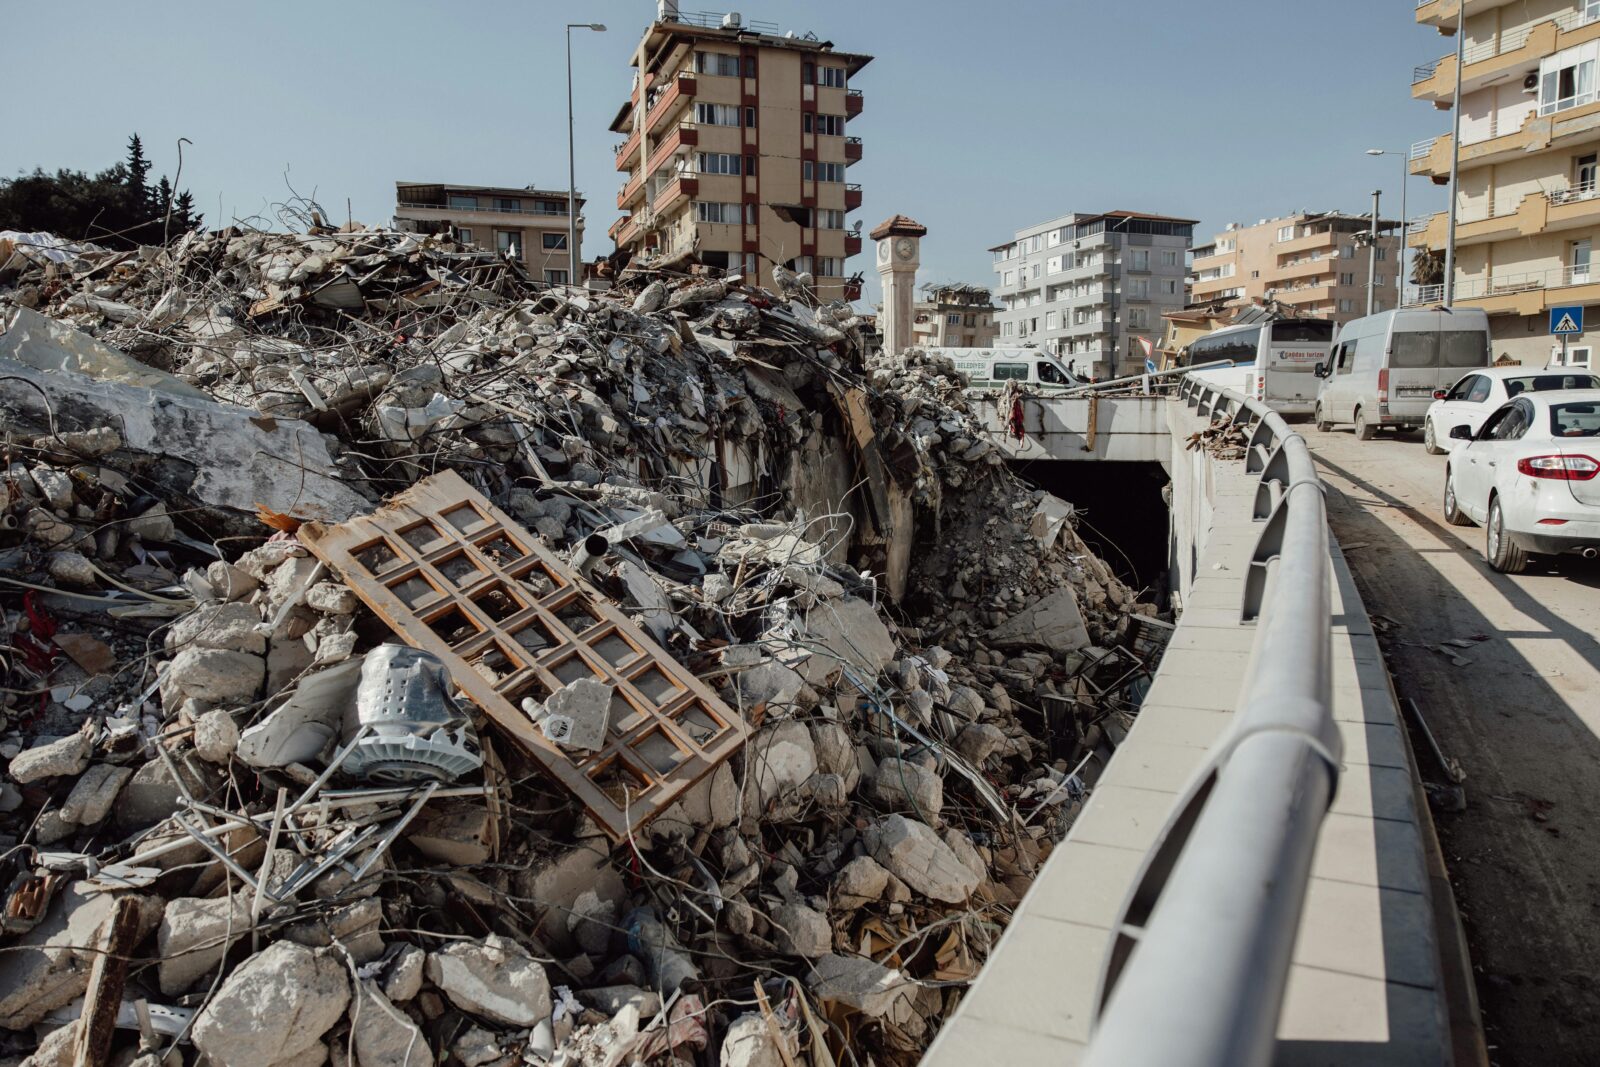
(445, 664)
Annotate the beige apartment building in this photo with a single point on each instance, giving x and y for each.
(528, 220)
(1527, 202)
(735, 144)
(954, 316)
(1313, 263)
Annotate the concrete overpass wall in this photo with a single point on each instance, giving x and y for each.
(1126, 428)
(1366, 985)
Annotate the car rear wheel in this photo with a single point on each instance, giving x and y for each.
(1323, 425)
(1452, 508)
(1498, 549)
(1429, 444)
(1364, 431)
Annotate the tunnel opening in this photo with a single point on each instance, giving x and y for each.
(1123, 515)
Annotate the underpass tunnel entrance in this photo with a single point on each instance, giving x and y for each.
(1122, 514)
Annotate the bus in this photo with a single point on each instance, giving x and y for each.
(1274, 362)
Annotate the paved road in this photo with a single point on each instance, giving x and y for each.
(1523, 718)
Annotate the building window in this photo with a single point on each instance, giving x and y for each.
(1138, 318)
(1169, 259)
(716, 63)
(1033, 243)
(1050, 320)
(1347, 279)
(1139, 288)
(750, 118)
(749, 66)
(829, 219)
(716, 114)
(1583, 173)
(822, 172)
(827, 125)
(1347, 251)
(464, 203)
(1566, 79)
(717, 163)
(1379, 281)
(508, 241)
(1141, 259)
(1009, 277)
(1005, 329)
(1035, 270)
(1347, 305)
(1580, 262)
(502, 203)
(555, 277)
(833, 77)
(1286, 233)
(1170, 286)
(953, 319)
(464, 235)
(554, 241)
(712, 212)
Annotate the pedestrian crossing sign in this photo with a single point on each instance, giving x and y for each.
(1565, 320)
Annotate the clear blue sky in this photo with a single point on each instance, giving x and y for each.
(980, 117)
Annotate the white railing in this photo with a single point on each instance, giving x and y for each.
(1572, 196)
(489, 207)
(1422, 149)
(1504, 284)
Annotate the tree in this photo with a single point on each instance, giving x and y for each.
(183, 208)
(116, 207)
(138, 169)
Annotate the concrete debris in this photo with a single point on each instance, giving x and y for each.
(337, 853)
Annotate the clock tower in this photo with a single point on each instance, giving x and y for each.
(899, 241)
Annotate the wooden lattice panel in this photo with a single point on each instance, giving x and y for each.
(454, 575)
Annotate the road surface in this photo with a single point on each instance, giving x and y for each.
(1520, 711)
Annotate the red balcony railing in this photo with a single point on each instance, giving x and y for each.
(686, 133)
(681, 90)
(853, 102)
(629, 190)
(852, 150)
(627, 150)
(852, 197)
(670, 194)
(852, 244)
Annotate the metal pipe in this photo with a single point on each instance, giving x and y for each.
(1207, 934)
(1405, 226)
(1080, 389)
(574, 266)
(1455, 162)
(1372, 253)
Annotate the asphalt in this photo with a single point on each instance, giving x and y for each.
(1516, 700)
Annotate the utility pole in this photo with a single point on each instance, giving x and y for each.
(1372, 252)
(1455, 162)
(574, 266)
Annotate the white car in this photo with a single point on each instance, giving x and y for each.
(1477, 395)
(1528, 476)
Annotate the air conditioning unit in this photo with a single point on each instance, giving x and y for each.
(667, 11)
(732, 20)
(1530, 82)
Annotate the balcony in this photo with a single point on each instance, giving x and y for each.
(1306, 294)
(680, 92)
(852, 150)
(852, 197)
(1507, 53)
(852, 244)
(679, 188)
(853, 102)
(1524, 293)
(485, 206)
(1515, 215)
(1308, 268)
(685, 135)
(627, 150)
(1311, 242)
(630, 191)
(1441, 14)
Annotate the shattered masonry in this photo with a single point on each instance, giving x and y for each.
(408, 662)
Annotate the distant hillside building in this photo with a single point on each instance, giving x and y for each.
(954, 316)
(531, 221)
(1312, 262)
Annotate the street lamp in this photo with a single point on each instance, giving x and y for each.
(1405, 225)
(573, 266)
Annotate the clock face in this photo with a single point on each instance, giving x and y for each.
(883, 251)
(905, 248)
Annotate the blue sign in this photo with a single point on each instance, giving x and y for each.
(1566, 320)
(1149, 366)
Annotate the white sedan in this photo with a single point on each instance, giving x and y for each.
(1528, 476)
(1479, 394)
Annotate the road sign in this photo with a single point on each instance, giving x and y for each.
(1566, 320)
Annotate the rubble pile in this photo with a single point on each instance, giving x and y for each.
(805, 688)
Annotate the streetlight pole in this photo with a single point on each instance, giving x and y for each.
(1455, 161)
(1372, 252)
(573, 264)
(1405, 224)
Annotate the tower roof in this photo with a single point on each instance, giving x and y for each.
(896, 226)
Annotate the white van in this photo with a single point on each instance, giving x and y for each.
(992, 368)
(1274, 362)
(1386, 369)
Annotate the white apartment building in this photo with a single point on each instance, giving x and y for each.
(1092, 287)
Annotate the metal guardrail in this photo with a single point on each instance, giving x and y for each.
(1201, 953)
(1423, 72)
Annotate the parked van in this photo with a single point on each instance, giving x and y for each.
(992, 368)
(1386, 369)
(1274, 362)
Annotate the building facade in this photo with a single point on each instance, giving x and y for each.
(735, 144)
(1312, 263)
(529, 220)
(954, 316)
(1092, 287)
(1527, 201)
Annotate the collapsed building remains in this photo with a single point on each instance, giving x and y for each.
(410, 662)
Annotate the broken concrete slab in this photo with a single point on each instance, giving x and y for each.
(860, 882)
(860, 983)
(194, 935)
(48, 967)
(1053, 621)
(903, 786)
(778, 760)
(385, 1036)
(912, 851)
(751, 1041)
(577, 714)
(802, 931)
(495, 979)
(94, 793)
(274, 1008)
(230, 626)
(52, 757)
(215, 675)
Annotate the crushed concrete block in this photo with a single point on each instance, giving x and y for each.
(964, 851)
(577, 714)
(52, 758)
(154, 524)
(48, 967)
(1053, 621)
(94, 793)
(230, 582)
(802, 931)
(966, 702)
(749, 1042)
(778, 759)
(216, 676)
(194, 935)
(273, 1008)
(859, 882)
(556, 883)
(592, 921)
(494, 978)
(851, 631)
(901, 785)
(711, 803)
(857, 982)
(332, 598)
(912, 852)
(836, 752)
(455, 833)
(71, 568)
(216, 736)
(402, 980)
(356, 928)
(385, 1036)
(768, 683)
(55, 486)
(230, 626)
(151, 794)
(977, 741)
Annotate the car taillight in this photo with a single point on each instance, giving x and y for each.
(1261, 386)
(1383, 386)
(1439, 394)
(1561, 468)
